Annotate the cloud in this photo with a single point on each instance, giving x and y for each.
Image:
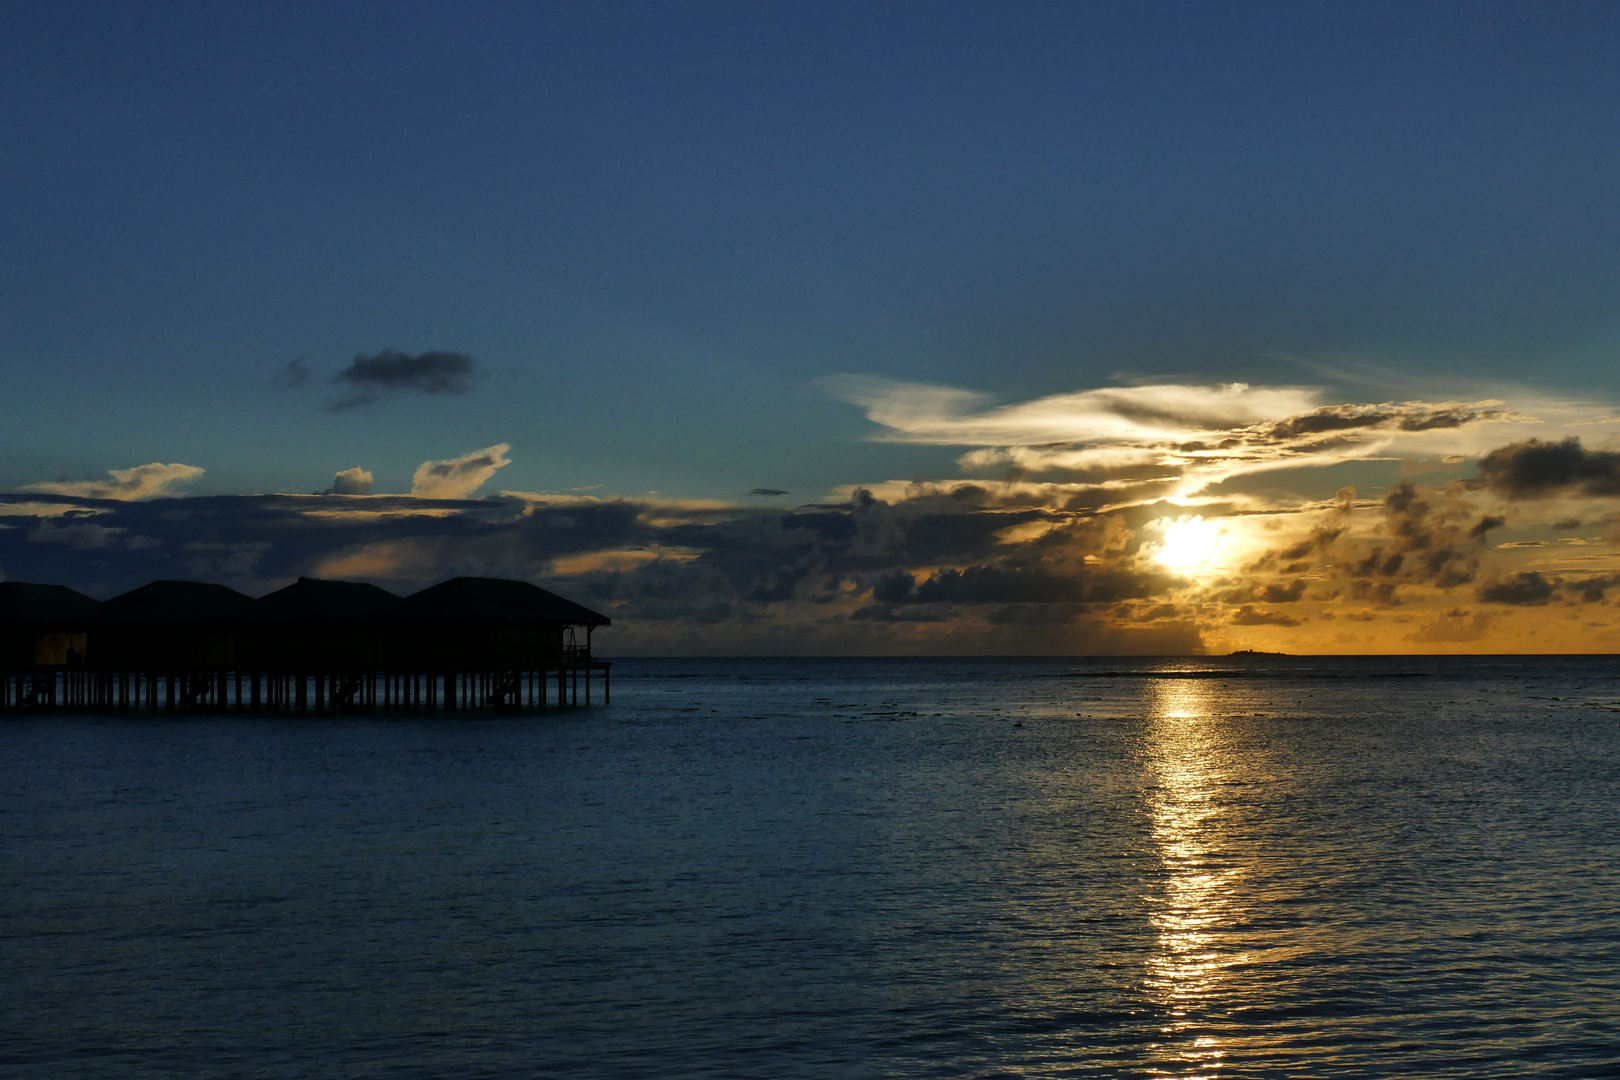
(42, 509)
(370, 378)
(294, 375)
(626, 559)
(1534, 469)
(917, 412)
(1249, 616)
(1278, 593)
(1432, 537)
(228, 561)
(993, 584)
(767, 493)
(967, 566)
(141, 482)
(1168, 440)
(407, 559)
(1407, 416)
(1000, 585)
(1523, 588)
(1456, 625)
(78, 534)
(457, 478)
(355, 481)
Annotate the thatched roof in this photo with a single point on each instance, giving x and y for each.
(314, 600)
(178, 602)
(494, 599)
(44, 605)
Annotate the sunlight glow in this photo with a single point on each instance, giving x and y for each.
(1190, 974)
(1189, 544)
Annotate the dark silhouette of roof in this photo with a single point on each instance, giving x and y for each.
(22, 602)
(315, 600)
(178, 602)
(494, 599)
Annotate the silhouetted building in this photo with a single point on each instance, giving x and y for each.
(42, 625)
(314, 625)
(170, 626)
(321, 645)
(483, 624)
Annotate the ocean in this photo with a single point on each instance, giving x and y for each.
(1233, 867)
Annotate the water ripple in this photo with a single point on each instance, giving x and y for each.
(838, 869)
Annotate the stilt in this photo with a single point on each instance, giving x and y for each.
(231, 689)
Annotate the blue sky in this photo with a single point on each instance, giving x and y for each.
(668, 234)
(656, 225)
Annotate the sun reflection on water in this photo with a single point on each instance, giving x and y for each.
(1188, 972)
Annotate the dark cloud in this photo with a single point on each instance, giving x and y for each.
(1385, 592)
(1522, 589)
(767, 493)
(674, 577)
(387, 539)
(369, 378)
(294, 375)
(1000, 585)
(1438, 419)
(1591, 590)
(906, 613)
(1328, 419)
(1404, 417)
(1284, 594)
(1454, 626)
(1249, 616)
(1427, 536)
(895, 587)
(1430, 537)
(955, 536)
(1321, 539)
(937, 569)
(1534, 469)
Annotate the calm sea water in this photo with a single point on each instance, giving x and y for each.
(920, 868)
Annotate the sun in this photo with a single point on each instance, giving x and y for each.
(1190, 543)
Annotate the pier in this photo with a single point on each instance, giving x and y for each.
(321, 647)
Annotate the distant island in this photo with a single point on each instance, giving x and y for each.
(1255, 652)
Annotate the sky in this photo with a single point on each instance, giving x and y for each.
(830, 328)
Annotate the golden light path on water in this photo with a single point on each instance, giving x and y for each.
(1187, 974)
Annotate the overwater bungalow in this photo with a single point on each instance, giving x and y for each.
(43, 634)
(171, 626)
(472, 622)
(172, 642)
(42, 626)
(314, 645)
(478, 625)
(315, 625)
